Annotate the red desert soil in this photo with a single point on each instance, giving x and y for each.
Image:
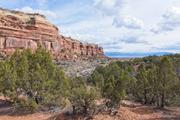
(129, 111)
(135, 111)
(8, 113)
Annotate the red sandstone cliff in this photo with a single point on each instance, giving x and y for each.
(23, 30)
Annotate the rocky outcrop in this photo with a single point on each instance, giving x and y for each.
(20, 30)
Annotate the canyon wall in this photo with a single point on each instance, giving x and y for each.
(20, 30)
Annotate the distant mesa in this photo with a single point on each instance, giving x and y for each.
(19, 30)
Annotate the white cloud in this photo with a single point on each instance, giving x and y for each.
(47, 13)
(128, 21)
(109, 7)
(114, 9)
(120, 29)
(170, 20)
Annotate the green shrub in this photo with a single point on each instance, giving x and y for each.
(34, 75)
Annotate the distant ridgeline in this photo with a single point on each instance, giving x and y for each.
(19, 30)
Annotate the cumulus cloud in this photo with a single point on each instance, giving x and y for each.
(113, 8)
(109, 7)
(129, 39)
(170, 20)
(47, 13)
(128, 21)
(119, 30)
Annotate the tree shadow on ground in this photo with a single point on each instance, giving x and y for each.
(7, 108)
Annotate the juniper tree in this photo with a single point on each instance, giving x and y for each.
(82, 97)
(33, 76)
(98, 80)
(166, 78)
(142, 83)
(8, 80)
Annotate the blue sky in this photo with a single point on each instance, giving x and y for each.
(120, 26)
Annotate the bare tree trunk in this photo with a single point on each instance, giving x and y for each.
(74, 110)
(145, 96)
(85, 109)
(162, 99)
(157, 100)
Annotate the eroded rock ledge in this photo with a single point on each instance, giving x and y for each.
(19, 30)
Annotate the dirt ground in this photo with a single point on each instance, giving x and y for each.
(7, 112)
(135, 111)
(128, 111)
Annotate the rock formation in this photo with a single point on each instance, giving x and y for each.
(19, 30)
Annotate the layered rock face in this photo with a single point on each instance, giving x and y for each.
(20, 30)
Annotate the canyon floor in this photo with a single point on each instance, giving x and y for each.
(128, 111)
